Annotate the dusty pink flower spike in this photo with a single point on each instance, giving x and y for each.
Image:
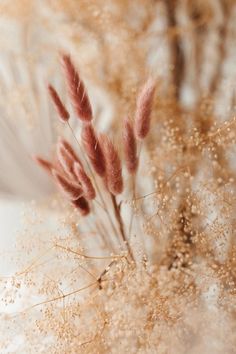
(93, 149)
(70, 151)
(61, 109)
(143, 109)
(68, 188)
(85, 181)
(45, 164)
(66, 161)
(82, 205)
(130, 147)
(114, 180)
(78, 95)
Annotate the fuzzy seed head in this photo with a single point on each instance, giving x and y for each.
(114, 180)
(78, 95)
(143, 110)
(69, 150)
(68, 188)
(93, 149)
(130, 147)
(82, 205)
(45, 164)
(66, 161)
(60, 107)
(85, 181)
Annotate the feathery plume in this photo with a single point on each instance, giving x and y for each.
(82, 205)
(61, 109)
(70, 151)
(85, 181)
(69, 189)
(143, 109)
(66, 161)
(130, 147)
(114, 178)
(93, 149)
(45, 164)
(77, 91)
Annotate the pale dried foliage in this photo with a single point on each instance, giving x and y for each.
(151, 270)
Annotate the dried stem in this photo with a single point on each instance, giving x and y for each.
(121, 225)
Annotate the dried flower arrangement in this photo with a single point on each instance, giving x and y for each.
(138, 253)
(143, 261)
(99, 155)
(187, 44)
